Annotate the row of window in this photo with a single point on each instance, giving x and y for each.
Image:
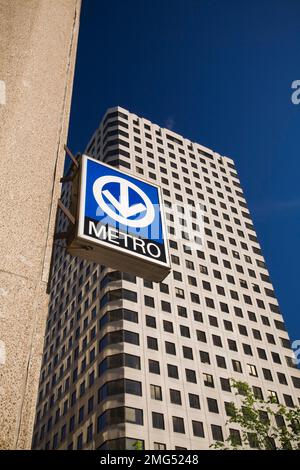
(132, 361)
(121, 386)
(150, 321)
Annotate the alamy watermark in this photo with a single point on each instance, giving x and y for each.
(295, 97)
(184, 223)
(296, 349)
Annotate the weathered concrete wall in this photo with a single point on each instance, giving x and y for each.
(38, 41)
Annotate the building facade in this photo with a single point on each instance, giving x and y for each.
(128, 363)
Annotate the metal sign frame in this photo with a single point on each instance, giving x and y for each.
(89, 243)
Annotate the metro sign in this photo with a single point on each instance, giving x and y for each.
(120, 222)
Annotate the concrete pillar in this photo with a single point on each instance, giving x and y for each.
(38, 41)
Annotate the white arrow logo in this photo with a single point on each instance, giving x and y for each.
(122, 206)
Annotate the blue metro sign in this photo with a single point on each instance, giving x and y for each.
(121, 213)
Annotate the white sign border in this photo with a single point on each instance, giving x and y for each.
(81, 214)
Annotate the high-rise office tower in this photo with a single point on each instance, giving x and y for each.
(128, 362)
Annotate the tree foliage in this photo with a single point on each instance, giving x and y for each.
(261, 424)
(138, 445)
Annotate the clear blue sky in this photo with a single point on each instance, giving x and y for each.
(220, 73)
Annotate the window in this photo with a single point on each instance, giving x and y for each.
(123, 414)
(185, 331)
(273, 396)
(288, 400)
(261, 353)
(189, 264)
(206, 285)
(276, 358)
(119, 336)
(209, 302)
(203, 269)
(263, 416)
(175, 259)
(198, 316)
(159, 446)
(158, 420)
(256, 334)
(224, 307)
(55, 441)
(217, 340)
(198, 429)
(296, 381)
(253, 443)
(72, 423)
(192, 281)
(247, 349)
(204, 357)
(270, 338)
(213, 321)
(80, 441)
(175, 397)
(280, 421)
(120, 386)
(182, 311)
(89, 433)
(170, 348)
(150, 321)
(252, 316)
(178, 424)
(208, 380)
(172, 371)
(194, 401)
(155, 391)
(119, 360)
(242, 330)
(290, 361)
(195, 298)
(285, 343)
(166, 306)
(118, 294)
(154, 366)
(232, 345)
(119, 314)
(187, 352)
(221, 362)
(257, 392)
(217, 433)
(176, 275)
(225, 384)
(212, 405)
(179, 293)
(149, 301)
(201, 336)
(90, 404)
(80, 414)
(265, 320)
(168, 326)
(252, 370)
(267, 374)
(152, 343)
(235, 437)
(190, 376)
(164, 288)
(228, 325)
(237, 366)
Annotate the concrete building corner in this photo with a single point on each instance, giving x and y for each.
(37, 57)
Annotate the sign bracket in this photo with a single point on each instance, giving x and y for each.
(66, 211)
